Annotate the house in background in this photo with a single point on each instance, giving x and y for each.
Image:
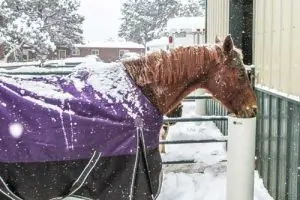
(107, 51)
(61, 53)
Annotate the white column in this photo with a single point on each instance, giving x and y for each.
(241, 158)
(200, 104)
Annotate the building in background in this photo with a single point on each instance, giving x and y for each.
(107, 51)
(181, 31)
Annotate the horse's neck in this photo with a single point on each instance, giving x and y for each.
(166, 78)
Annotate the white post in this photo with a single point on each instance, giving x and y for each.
(200, 104)
(241, 158)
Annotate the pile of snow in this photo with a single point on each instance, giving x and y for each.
(207, 186)
(53, 62)
(73, 60)
(206, 179)
(130, 56)
(86, 59)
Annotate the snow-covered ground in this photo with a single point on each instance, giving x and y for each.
(206, 179)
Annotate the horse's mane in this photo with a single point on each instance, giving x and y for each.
(166, 67)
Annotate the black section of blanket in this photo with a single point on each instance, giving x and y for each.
(110, 179)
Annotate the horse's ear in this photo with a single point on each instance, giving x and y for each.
(217, 40)
(228, 44)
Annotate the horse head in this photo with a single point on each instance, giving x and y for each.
(228, 81)
(166, 77)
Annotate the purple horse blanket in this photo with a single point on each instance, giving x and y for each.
(91, 134)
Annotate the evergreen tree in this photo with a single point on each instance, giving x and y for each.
(61, 20)
(192, 8)
(144, 20)
(39, 24)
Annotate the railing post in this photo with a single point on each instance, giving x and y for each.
(200, 103)
(241, 158)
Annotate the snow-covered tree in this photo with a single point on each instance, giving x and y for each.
(39, 24)
(192, 8)
(61, 20)
(14, 24)
(144, 20)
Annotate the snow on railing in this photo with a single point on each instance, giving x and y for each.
(14, 65)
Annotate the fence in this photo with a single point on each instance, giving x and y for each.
(219, 118)
(277, 142)
(215, 108)
(278, 129)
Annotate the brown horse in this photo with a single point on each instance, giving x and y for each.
(167, 77)
(95, 134)
(218, 68)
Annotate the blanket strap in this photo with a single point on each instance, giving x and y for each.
(74, 188)
(82, 177)
(144, 157)
(4, 189)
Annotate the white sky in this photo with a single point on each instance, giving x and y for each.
(102, 19)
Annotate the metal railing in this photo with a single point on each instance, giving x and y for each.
(278, 144)
(217, 119)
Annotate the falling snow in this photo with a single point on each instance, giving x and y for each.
(16, 130)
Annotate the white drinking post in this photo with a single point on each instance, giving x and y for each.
(241, 158)
(200, 103)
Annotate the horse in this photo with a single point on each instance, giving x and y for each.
(94, 133)
(163, 133)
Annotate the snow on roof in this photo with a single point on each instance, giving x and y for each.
(157, 42)
(186, 23)
(111, 44)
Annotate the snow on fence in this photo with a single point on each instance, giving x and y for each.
(16, 65)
